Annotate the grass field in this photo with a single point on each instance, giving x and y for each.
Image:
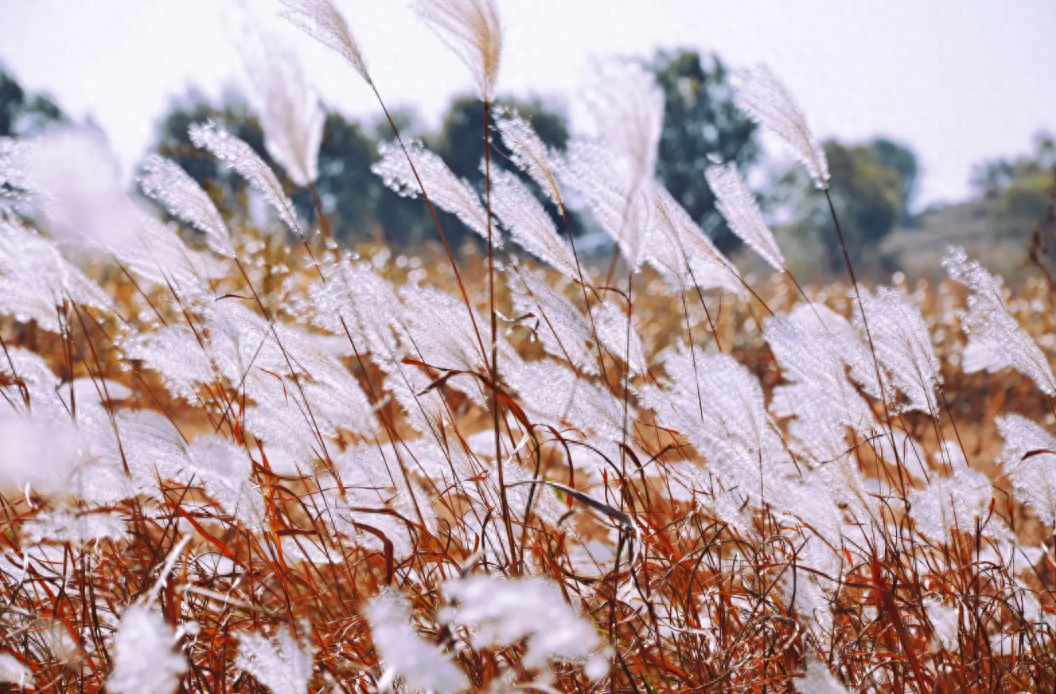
(239, 460)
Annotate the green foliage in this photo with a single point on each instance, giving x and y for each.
(23, 114)
(1021, 189)
(867, 195)
(356, 203)
(234, 114)
(902, 159)
(700, 120)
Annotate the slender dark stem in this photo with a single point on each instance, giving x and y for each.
(865, 322)
(495, 339)
(324, 223)
(693, 353)
(436, 222)
(626, 379)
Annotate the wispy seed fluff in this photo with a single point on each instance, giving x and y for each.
(628, 109)
(682, 253)
(445, 189)
(472, 30)
(325, 23)
(528, 222)
(764, 98)
(527, 151)
(241, 157)
(903, 346)
(405, 654)
(144, 658)
(738, 206)
(624, 210)
(998, 339)
(281, 664)
(164, 180)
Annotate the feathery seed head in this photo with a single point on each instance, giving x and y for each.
(763, 97)
(471, 29)
(737, 204)
(321, 20)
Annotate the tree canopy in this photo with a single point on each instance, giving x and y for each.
(867, 192)
(701, 121)
(22, 113)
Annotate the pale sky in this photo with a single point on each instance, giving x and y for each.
(959, 80)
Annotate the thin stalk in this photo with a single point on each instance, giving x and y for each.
(436, 221)
(626, 378)
(495, 340)
(865, 322)
(324, 223)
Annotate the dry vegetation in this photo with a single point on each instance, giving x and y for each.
(232, 464)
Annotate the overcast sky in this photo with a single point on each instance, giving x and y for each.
(959, 80)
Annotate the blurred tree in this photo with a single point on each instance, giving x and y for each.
(460, 142)
(902, 159)
(1020, 188)
(354, 199)
(700, 120)
(23, 114)
(234, 115)
(867, 195)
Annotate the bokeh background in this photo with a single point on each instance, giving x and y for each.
(938, 117)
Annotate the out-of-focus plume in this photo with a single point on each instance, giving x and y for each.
(290, 113)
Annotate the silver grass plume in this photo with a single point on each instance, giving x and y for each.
(159, 255)
(990, 326)
(764, 98)
(503, 612)
(628, 110)
(35, 279)
(718, 405)
(404, 653)
(622, 206)
(563, 331)
(737, 204)
(903, 346)
(812, 359)
(446, 190)
(163, 180)
(683, 253)
(290, 113)
(1029, 460)
(281, 664)
(818, 680)
(527, 151)
(613, 331)
(72, 177)
(321, 20)
(954, 502)
(528, 222)
(144, 659)
(472, 30)
(240, 156)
